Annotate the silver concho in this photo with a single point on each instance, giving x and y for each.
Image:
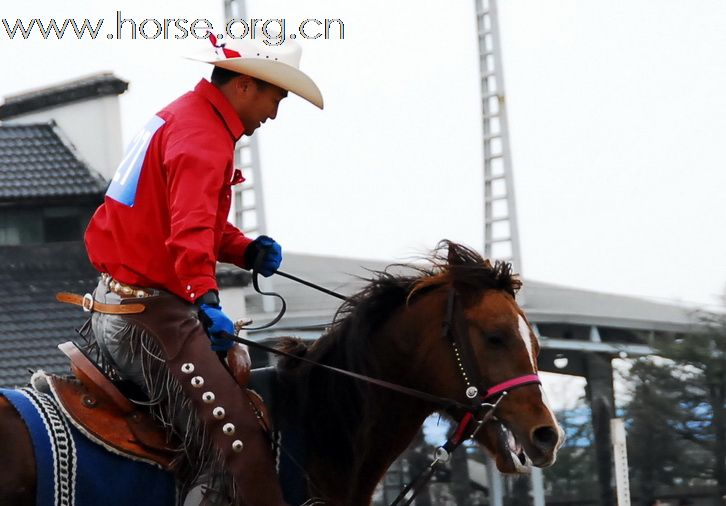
(442, 455)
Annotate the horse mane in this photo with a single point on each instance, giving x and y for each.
(364, 312)
(346, 343)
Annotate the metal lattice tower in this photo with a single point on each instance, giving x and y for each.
(501, 234)
(249, 204)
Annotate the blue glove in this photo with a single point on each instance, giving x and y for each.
(272, 255)
(215, 322)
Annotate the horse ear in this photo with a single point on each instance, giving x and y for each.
(455, 259)
(451, 257)
(456, 253)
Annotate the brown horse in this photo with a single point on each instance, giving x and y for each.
(352, 431)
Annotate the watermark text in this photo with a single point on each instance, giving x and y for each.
(273, 31)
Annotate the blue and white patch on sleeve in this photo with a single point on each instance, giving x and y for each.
(126, 179)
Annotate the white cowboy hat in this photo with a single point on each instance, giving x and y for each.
(278, 65)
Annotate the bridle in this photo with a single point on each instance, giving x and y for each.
(479, 409)
(456, 331)
(482, 407)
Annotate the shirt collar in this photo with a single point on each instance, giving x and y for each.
(223, 107)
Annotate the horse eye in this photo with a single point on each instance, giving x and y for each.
(495, 340)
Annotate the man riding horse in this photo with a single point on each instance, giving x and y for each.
(158, 236)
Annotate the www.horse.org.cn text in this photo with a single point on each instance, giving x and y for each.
(273, 31)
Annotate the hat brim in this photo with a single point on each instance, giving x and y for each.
(280, 74)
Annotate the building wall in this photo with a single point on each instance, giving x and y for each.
(233, 302)
(93, 126)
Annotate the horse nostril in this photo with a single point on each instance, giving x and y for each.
(545, 438)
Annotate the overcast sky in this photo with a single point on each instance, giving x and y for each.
(616, 121)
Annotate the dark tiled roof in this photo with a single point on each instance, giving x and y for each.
(32, 323)
(96, 85)
(36, 163)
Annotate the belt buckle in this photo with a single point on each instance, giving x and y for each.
(87, 303)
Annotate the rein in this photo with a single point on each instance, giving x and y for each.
(283, 309)
(312, 285)
(441, 402)
(451, 330)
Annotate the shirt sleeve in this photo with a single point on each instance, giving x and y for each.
(196, 176)
(233, 247)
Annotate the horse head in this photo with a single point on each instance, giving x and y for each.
(495, 346)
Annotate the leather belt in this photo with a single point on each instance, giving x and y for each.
(89, 304)
(122, 289)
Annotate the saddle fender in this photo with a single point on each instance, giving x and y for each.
(240, 364)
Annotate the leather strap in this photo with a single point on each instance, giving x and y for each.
(456, 330)
(89, 304)
(93, 379)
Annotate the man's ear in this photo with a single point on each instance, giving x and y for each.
(243, 83)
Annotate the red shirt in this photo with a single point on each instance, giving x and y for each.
(163, 223)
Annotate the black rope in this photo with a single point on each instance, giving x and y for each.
(283, 309)
(256, 285)
(312, 285)
(416, 485)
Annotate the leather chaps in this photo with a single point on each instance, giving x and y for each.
(220, 404)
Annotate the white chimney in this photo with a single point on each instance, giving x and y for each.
(85, 109)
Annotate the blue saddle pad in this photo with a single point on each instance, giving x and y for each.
(74, 471)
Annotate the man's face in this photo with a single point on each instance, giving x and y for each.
(260, 104)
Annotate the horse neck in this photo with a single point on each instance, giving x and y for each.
(373, 440)
(388, 437)
(380, 436)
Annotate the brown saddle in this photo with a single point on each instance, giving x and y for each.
(99, 409)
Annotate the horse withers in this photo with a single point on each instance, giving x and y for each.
(452, 330)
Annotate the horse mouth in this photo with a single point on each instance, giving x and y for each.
(511, 457)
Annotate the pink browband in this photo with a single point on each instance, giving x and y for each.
(519, 381)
